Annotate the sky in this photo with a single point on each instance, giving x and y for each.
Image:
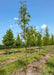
(41, 11)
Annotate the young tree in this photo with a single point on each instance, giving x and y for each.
(52, 39)
(39, 40)
(46, 37)
(24, 18)
(31, 37)
(18, 41)
(8, 39)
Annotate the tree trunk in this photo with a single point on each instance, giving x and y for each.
(25, 48)
(29, 49)
(26, 59)
(26, 63)
(39, 50)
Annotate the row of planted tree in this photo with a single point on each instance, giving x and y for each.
(29, 36)
(33, 38)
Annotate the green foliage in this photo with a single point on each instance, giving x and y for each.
(31, 36)
(52, 39)
(2, 46)
(46, 37)
(8, 39)
(18, 41)
(39, 40)
(24, 17)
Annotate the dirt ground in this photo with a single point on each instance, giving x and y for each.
(35, 66)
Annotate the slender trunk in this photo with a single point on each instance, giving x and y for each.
(29, 49)
(26, 63)
(26, 59)
(39, 50)
(26, 49)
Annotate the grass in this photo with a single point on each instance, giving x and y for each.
(8, 69)
(14, 50)
(49, 66)
(32, 51)
(11, 67)
(9, 51)
(2, 59)
(11, 56)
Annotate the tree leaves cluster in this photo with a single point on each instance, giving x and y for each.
(24, 17)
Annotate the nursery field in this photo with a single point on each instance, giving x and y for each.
(14, 63)
(26, 37)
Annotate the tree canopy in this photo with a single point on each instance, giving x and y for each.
(8, 39)
(18, 41)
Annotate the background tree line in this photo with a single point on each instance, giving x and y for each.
(33, 38)
(29, 34)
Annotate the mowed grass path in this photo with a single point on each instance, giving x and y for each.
(9, 51)
(11, 67)
(2, 59)
(11, 56)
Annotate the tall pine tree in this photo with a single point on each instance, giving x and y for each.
(8, 39)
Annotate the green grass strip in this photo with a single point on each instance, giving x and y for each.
(11, 56)
(49, 66)
(11, 67)
(2, 59)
